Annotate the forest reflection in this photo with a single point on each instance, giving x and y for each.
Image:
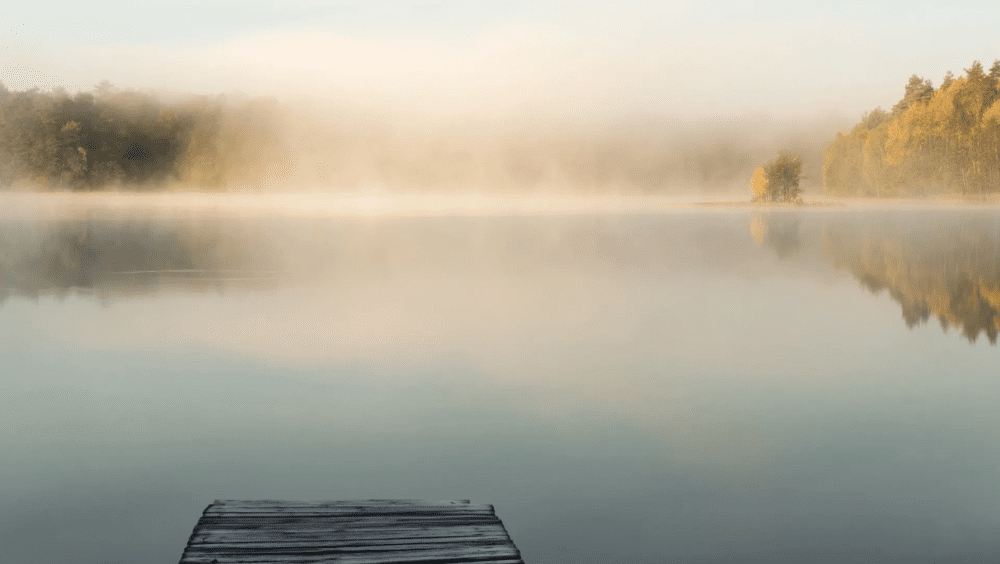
(934, 264)
(121, 258)
(110, 258)
(942, 265)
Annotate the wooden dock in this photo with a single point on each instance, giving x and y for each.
(349, 532)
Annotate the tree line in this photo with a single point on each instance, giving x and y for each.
(125, 138)
(110, 138)
(944, 139)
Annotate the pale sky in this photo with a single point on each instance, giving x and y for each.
(683, 59)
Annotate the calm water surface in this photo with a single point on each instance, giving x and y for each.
(701, 385)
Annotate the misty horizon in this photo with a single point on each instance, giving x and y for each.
(238, 142)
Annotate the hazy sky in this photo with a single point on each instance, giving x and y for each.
(685, 58)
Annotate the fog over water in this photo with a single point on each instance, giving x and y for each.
(657, 381)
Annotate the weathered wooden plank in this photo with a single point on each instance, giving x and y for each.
(348, 514)
(276, 544)
(343, 539)
(423, 536)
(327, 524)
(457, 554)
(333, 508)
(228, 507)
(345, 519)
(202, 535)
(341, 503)
(346, 510)
(204, 539)
(305, 532)
(311, 525)
(355, 532)
(349, 517)
(262, 549)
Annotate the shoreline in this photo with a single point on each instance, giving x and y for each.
(39, 205)
(785, 205)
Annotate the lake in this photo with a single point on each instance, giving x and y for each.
(645, 384)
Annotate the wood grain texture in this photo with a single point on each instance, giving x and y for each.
(349, 532)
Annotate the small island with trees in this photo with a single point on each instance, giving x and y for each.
(778, 180)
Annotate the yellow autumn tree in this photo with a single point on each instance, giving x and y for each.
(933, 140)
(758, 184)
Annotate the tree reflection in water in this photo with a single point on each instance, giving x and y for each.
(931, 263)
(946, 267)
(777, 231)
(114, 258)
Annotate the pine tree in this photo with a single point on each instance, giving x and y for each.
(947, 80)
(993, 80)
(917, 90)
